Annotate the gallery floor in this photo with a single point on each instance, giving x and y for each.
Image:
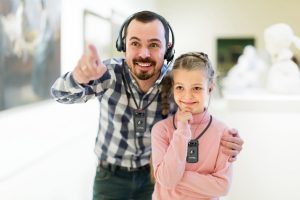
(46, 149)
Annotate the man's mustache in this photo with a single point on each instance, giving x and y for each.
(144, 60)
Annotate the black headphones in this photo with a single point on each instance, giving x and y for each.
(120, 43)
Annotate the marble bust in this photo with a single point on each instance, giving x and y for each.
(283, 76)
(247, 75)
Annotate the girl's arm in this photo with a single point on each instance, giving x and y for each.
(169, 153)
(213, 184)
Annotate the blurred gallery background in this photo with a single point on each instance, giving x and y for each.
(46, 148)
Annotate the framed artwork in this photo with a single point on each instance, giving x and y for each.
(228, 52)
(97, 30)
(103, 32)
(29, 51)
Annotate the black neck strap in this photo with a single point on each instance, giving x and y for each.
(205, 129)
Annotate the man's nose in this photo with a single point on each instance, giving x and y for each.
(144, 52)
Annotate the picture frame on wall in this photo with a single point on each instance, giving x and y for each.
(97, 30)
(103, 32)
(29, 51)
(117, 20)
(228, 52)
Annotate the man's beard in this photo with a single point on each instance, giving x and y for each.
(144, 75)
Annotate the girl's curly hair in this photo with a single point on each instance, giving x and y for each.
(166, 91)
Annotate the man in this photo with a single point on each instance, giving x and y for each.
(128, 91)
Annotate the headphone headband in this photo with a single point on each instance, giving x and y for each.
(120, 42)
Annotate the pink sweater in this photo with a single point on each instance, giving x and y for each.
(176, 179)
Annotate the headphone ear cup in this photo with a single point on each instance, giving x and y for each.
(120, 44)
(169, 55)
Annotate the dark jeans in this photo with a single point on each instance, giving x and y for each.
(120, 184)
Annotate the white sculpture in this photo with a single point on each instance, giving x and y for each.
(248, 75)
(283, 76)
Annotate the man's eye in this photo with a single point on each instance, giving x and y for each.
(135, 44)
(154, 45)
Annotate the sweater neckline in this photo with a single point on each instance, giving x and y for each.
(198, 119)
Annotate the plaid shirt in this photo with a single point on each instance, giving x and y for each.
(116, 142)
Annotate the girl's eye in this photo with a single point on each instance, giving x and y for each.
(197, 88)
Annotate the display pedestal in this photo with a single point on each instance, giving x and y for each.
(263, 102)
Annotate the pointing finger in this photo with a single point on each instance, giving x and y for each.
(93, 55)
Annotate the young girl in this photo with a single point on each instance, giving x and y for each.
(187, 158)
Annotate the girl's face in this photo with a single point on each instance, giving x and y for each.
(191, 90)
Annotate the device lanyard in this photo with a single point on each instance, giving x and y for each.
(193, 144)
(207, 126)
(139, 114)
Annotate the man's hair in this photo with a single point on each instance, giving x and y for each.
(148, 16)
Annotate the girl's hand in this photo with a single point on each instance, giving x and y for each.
(184, 116)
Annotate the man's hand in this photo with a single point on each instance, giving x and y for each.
(89, 67)
(233, 144)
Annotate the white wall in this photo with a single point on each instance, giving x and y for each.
(198, 23)
(46, 150)
(267, 168)
(72, 23)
